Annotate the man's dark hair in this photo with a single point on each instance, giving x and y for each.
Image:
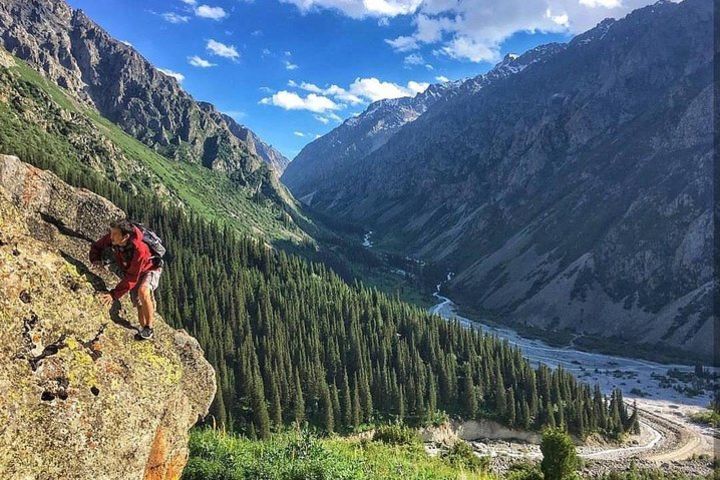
(124, 226)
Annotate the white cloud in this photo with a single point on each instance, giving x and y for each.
(196, 61)
(383, 22)
(213, 13)
(561, 19)
(466, 48)
(298, 134)
(414, 59)
(327, 117)
(601, 3)
(173, 17)
(474, 29)
(361, 91)
(189, 2)
(292, 101)
(417, 87)
(403, 43)
(290, 66)
(176, 75)
(442, 79)
(374, 89)
(221, 50)
(338, 93)
(360, 8)
(235, 114)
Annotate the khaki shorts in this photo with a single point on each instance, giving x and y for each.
(151, 279)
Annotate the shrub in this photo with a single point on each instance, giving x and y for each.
(524, 471)
(396, 434)
(461, 455)
(560, 460)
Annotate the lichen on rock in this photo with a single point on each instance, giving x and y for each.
(80, 397)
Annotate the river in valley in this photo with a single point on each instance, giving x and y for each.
(636, 378)
(668, 432)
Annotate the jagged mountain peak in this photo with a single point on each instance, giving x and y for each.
(73, 51)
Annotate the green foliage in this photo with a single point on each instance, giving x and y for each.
(634, 473)
(301, 456)
(462, 456)
(524, 471)
(396, 434)
(707, 417)
(42, 125)
(560, 460)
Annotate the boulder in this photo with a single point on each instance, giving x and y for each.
(80, 397)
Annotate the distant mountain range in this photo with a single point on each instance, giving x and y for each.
(569, 188)
(75, 53)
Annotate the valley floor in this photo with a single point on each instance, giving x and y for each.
(669, 439)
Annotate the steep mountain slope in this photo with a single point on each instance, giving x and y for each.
(80, 397)
(75, 53)
(573, 195)
(40, 122)
(276, 160)
(321, 160)
(357, 137)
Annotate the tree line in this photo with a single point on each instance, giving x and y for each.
(292, 342)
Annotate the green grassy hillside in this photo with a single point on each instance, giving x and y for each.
(42, 124)
(216, 456)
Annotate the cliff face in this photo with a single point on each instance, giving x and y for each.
(74, 52)
(79, 396)
(270, 155)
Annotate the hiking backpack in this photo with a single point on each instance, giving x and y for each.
(153, 241)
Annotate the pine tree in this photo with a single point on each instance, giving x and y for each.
(560, 459)
(468, 395)
(346, 401)
(260, 417)
(299, 402)
(275, 407)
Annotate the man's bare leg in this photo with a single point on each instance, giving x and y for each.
(147, 306)
(141, 315)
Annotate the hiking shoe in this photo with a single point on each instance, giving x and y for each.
(146, 333)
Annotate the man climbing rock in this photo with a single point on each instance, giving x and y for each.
(138, 252)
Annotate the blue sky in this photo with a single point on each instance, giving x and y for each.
(293, 69)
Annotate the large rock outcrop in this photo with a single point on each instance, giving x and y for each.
(80, 397)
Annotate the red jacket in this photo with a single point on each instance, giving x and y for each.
(135, 260)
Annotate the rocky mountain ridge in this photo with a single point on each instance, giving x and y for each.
(360, 136)
(74, 52)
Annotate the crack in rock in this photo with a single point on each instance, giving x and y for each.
(29, 324)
